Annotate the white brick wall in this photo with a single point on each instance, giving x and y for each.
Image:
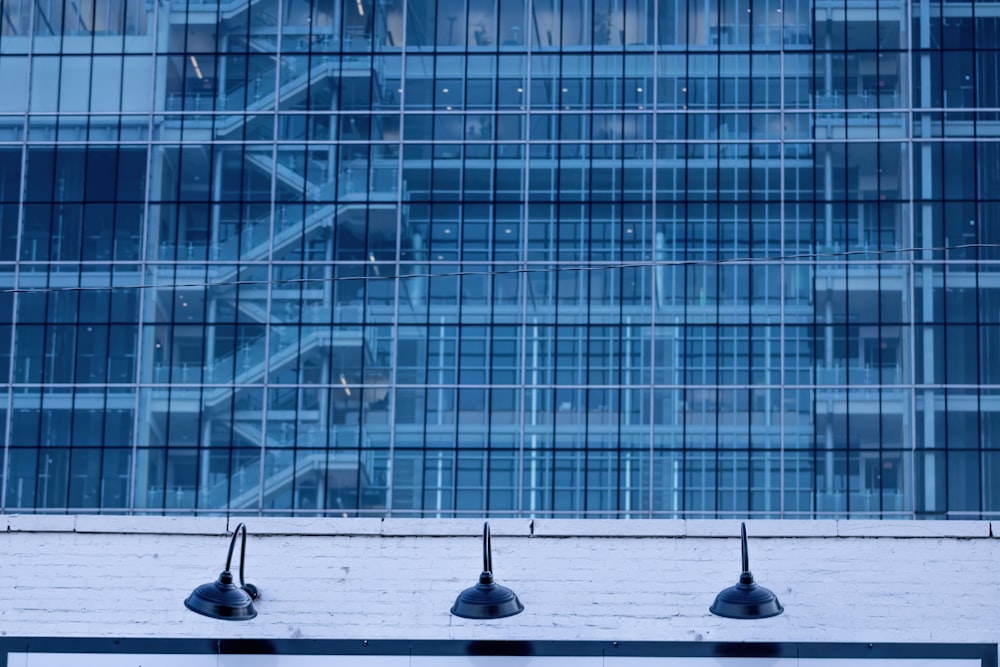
(597, 580)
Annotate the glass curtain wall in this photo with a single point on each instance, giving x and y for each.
(575, 258)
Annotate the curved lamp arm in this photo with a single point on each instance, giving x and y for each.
(487, 549)
(486, 578)
(249, 588)
(743, 539)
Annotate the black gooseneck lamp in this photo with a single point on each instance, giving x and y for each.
(487, 599)
(746, 599)
(222, 598)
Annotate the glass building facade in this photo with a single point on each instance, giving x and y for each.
(601, 258)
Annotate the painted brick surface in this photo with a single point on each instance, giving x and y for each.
(113, 577)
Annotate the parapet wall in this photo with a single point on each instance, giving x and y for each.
(840, 581)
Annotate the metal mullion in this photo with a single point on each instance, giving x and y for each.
(166, 448)
(718, 356)
(207, 327)
(653, 145)
(422, 481)
(783, 249)
(68, 449)
(881, 379)
(523, 278)
(47, 325)
(980, 459)
(270, 267)
(978, 292)
(73, 389)
(293, 504)
(945, 329)
(487, 468)
(582, 343)
(616, 500)
(585, 349)
(22, 186)
(456, 461)
(523, 340)
(137, 422)
(427, 387)
(104, 429)
(685, 452)
(453, 387)
(395, 338)
(618, 355)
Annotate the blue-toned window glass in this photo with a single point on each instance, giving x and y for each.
(455, 257)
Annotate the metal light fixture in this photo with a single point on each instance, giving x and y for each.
(746, 599)
(222, 598)
(487, 599)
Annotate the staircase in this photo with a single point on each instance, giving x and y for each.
(215, 10)
(302, 457)
(348, 465)
(294, 224)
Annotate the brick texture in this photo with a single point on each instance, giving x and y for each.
(107, 576)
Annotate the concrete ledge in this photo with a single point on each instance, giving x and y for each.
(611, 528)
(160, 525)
(554, 528)
(309, 526)
(38, 523)
(763, 528)
(454, 527)
(873, 528)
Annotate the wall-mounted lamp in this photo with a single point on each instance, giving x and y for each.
(746, 599)
(222, 598)
(487, 599)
